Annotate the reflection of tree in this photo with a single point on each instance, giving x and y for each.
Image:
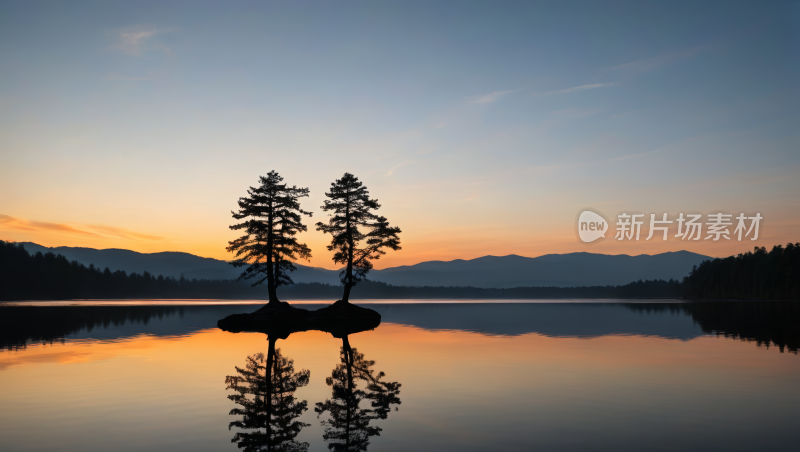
(762, 322)
(265, 392)
(348, 427)
(21, 325)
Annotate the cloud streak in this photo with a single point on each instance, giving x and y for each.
(96, 231)
(468, 199)
(580, 88)
(490, 97)
(128, 79)
(133, 40)
(396, 167)
(576, 113)
(638, 67)
(631, 156)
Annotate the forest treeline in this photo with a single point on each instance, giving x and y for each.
(373, 289)
(755, 275)
(52, 277)
(763, 275)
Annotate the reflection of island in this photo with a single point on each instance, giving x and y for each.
(265, 395)
(750, 320)
(347, 428)
(340, 318)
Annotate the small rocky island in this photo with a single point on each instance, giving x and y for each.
(280, 318)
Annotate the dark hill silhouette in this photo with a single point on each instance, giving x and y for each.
(557, 270)
(169, 263)
(553, 270)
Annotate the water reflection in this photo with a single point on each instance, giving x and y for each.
(20, 326)
(627, 389)
(762, 322)
(770, 323)
(264, 390)
(24, 325)
(347, 427)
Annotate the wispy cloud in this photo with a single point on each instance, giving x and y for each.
(469, 199)
(396, 167)
(490, 98)
(638, 67)
(98, 231)
(580, 88)
(134, 40)
(24, 225)
(631, 156)
(575, 113)
(129, 79)
(124, 233)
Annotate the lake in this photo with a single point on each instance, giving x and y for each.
(443, 376)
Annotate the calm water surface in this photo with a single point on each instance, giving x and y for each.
(438, 377)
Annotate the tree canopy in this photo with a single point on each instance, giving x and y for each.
(269, 246)
(358, 236)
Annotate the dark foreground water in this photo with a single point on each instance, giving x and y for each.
(432, 377)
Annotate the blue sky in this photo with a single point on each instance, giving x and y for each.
(482, 127)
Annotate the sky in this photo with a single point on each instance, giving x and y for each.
(483, 128)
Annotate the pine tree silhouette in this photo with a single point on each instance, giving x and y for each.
(351, 223)
(269, 246)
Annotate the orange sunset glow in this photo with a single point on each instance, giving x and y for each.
(537, 237)
(399, 347)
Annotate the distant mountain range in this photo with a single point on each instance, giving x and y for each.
(555, 270)
(170, 263)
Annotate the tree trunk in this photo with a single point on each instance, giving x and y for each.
(273, 294)
(272, 288)
(268, 396)
(346, 294)
(348, 353)
(348, 276)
